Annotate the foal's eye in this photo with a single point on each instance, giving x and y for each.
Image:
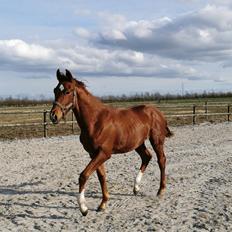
(66, 92)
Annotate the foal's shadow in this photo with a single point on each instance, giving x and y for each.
(14, 190)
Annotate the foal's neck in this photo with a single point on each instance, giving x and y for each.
(87, 109)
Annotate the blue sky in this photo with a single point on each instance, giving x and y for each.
(115, 46)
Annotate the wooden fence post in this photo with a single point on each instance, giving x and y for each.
(206, 110)
(45, 123)
(194, 114)
(72, 123)
(228, 111)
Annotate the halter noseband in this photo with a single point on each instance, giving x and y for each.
(66, 108)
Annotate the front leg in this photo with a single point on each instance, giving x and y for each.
(93, 165)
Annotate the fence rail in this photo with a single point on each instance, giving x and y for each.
(45, 122)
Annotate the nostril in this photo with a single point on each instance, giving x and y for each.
(53, 117)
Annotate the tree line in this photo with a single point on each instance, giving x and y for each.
(25, 101)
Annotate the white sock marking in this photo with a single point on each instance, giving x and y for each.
(138, 180)
(82, 202)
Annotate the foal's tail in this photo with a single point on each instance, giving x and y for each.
(169, 133)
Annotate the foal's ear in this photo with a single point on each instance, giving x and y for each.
(59, 75)
(68, 75)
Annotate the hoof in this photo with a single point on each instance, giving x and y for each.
(100, 209)
(135, 192)
(161, 193)
(84, 213)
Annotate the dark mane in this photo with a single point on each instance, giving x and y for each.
(80, 83)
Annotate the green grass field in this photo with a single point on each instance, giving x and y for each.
(27, 115)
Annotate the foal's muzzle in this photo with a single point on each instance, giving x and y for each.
(53, 117)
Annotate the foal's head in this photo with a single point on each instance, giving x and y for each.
(65, 96)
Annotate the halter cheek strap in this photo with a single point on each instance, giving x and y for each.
(66, 108)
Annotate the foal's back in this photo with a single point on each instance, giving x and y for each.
(132, 126)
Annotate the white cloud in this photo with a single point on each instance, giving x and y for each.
(161, 48)
(222, 2)
(141, 29)
(109, 20)
(193, 46)
(113, 35)
(82, 33)
(202, 35)
(17, 55)
(18, 49)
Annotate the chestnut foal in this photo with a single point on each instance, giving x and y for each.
(106, 130)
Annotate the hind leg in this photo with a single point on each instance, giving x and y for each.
(158, 146)
(146, 157)
(102, 179)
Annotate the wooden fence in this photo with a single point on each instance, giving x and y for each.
(192, 113)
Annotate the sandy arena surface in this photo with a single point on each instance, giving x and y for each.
(39, 184)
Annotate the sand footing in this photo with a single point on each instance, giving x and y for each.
(39, 184)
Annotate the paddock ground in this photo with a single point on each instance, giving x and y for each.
(39, 184)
